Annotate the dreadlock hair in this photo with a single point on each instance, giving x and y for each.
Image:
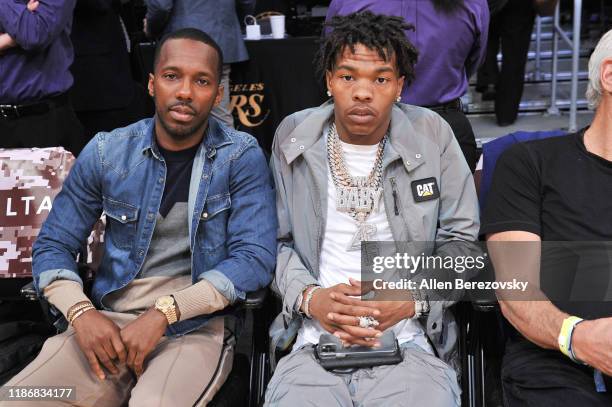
(384, 34)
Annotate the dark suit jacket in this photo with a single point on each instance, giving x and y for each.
(218, 18)
(101, 69)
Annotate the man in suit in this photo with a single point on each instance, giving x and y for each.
(104, 95)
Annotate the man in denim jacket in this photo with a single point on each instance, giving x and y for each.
(190, 229)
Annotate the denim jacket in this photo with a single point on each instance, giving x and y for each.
(232, 223)
(421, 145)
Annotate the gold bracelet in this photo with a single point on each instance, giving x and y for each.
(80, 312)
(76, 311)
(80, 305)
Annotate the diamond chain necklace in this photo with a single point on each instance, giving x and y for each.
(357, 196)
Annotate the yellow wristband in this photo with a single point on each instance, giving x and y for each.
(565, 336)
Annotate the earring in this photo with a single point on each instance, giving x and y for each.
(329, 93)
(398, 99)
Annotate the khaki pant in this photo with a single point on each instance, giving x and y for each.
(179, 372)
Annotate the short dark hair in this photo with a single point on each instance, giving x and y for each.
(379, 32)
(190, 34)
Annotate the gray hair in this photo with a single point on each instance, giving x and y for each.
(602, 51)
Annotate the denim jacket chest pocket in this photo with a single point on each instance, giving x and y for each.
(212, 231)
(121, 224)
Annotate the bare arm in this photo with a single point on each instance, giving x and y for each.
(539, 321)
(536, 317)
(532, 314)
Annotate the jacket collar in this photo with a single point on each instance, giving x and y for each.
(216, 136)
(403, 143)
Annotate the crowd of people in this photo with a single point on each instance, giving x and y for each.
(197, 216)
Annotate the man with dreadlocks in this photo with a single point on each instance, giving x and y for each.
(451, 36)
(412, 184)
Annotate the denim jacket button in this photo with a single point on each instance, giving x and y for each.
(161, 180)
(205, 215)
(123, 217)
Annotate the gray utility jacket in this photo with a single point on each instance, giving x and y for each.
(421, 145)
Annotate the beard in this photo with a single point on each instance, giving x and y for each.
(180, 132)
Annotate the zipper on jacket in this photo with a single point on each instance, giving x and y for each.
(395, 198)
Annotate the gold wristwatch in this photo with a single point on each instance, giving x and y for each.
(167, 306)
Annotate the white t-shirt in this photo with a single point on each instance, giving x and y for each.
(337, 264)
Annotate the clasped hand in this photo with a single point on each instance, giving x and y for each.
(105, 344)
(338, 310)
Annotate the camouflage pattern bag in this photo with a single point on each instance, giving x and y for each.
(30, 180)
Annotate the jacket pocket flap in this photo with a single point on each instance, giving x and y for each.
(216, 205)
(120, 211)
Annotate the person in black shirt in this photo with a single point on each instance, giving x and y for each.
(558, 189)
